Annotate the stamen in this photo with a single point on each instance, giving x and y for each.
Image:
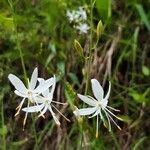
(61, 113)
(113, 114)
(108, 121)
(113, 108)
(19, 107)
(114, 122)
(24, 121)
(59, 103)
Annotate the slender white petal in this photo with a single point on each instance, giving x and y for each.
(95, 114)
(17, 83)
(31, 109)
(43, 111)
(54, 84)
(33, 80)
(46, 92)
(40, 99)
(97, 89)
(108, 93)
(44, 86)
(104, 103)
(87, 111)
(54, 116)
(19, 94)
(87, 100)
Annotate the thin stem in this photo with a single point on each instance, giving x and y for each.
(89, 59)
(17, 39)
(35, 135)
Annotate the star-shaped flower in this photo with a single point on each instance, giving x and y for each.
(31, 92)
(98, 105)
(83, 28)
(45, 102)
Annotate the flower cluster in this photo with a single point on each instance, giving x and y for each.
(78, 18)
(38, 94)
(98, 105)
(39, 97)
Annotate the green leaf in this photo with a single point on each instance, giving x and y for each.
(138, 143)
(78, 48)
(100, 29)
(3, 130)
(139, 98)
(6, 22)
(70, 95)
(143, 16)
(145, 70)
(104, 8)
(74, 78)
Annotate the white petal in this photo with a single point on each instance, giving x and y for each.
(17, 83)
(33, 80)
(95, 114)
(49, 93)
(87, 111)
(43, 111)
(97, 89)
(44, 86)
(40, 99)
(36, 108)
(108, 93)
(41, 80)
(20, 94)
(104, 103)
(87, 100)
(54, 84)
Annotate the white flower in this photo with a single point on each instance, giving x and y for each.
(82, 14)
(76, 15)
(98, 106)
(72, 16)
(45, 101)
(30, 92)
(83, 28)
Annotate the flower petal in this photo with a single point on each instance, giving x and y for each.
(33, 80)
(17, 83)
(44, 86)
(86, 111)
(108, 93)
(87, 100)
(36, 108)
(95, 114)
(43, 111)
(97, 89)
(20, 94)
(54, 84)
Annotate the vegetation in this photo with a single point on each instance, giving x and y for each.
(38, 33)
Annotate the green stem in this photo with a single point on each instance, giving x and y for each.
(35, 135)
(89, 59)
(17, 39)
